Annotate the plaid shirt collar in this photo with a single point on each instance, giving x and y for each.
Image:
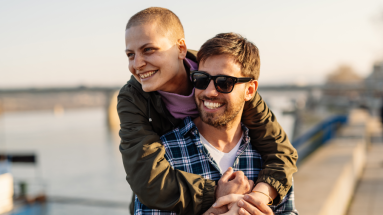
(187, 127)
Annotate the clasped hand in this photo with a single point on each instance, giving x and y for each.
(234, 196)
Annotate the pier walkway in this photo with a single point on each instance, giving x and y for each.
(368, 196)
(345, 175)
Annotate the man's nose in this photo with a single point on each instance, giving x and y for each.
(139, 62)
(210, 90)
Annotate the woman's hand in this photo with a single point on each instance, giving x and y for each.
(226, 200)
(243, 205)
(233, 183)
(251, 205)
(231, 202)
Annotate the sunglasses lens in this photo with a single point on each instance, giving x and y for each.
(200, 81)
(224, 84)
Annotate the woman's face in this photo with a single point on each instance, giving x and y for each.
(154, 59)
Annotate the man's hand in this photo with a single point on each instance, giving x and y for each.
(233, 183)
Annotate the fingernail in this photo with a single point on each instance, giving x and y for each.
(215, 204)
(241, 211)
(245, 197)
(240, 203)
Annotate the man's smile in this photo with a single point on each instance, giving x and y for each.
(212, 105)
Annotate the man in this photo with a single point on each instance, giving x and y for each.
(216, 140)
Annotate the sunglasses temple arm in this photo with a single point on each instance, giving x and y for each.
(243, 80)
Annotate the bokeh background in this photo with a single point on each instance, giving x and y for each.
(52, 43)
(61, 63)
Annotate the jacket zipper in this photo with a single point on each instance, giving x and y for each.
(162, 109)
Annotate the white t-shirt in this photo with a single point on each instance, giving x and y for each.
(224, 160)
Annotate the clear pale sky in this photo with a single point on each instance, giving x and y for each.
(67, 43)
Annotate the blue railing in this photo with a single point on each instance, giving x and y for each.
(33, 209)
(317, 136)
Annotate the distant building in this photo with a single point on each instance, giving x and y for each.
(344, 75)
(374, 82)
(343, 87)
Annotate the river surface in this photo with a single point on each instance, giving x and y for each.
(78, 158)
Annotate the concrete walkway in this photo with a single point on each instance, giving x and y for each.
(325, 182)
(368, 197)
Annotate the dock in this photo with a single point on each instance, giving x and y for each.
(368, 196)
(345, 175)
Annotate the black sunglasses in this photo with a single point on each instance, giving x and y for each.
(222, 83)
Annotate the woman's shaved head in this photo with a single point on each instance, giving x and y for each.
(166, 21)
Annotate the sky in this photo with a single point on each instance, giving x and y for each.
(69, 43)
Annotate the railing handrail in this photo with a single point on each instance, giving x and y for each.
(318, 128)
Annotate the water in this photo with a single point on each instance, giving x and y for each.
(78, 157)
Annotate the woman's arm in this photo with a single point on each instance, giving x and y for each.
(149, 174)
(271, 141)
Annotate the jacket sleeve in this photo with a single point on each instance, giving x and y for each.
(156, 184)
(270, 140)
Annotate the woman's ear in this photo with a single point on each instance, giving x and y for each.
(251, 89)
(181, 44)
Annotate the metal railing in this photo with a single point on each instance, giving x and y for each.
(317, 136)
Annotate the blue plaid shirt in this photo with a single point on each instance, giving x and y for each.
(185, 151)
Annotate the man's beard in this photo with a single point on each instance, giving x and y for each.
(219, 120)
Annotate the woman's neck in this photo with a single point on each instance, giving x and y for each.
(182, 84)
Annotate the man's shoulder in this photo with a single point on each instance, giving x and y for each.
(179, 133)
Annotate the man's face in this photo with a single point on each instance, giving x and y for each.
(218, 109)
(154, 59)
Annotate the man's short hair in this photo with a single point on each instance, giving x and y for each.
(244, 52)
(164, 18)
